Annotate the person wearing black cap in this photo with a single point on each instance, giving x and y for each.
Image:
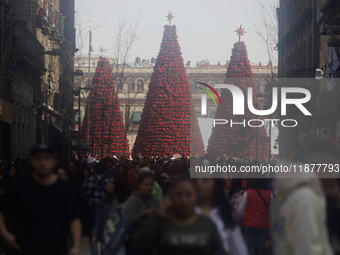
(43, 210)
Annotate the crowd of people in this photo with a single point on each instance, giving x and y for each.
(150, 206)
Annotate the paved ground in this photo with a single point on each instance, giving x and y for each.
(84, 248)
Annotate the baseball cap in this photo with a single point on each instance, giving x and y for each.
(90, 160)
(43, 148)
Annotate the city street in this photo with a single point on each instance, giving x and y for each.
(170, 127)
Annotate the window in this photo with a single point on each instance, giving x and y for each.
(136, 117)
(257, 85)
(87, 83)
(212, 115)
(140, 86)
(200, 85)
(119, 85)
(193, 85)
(212, 82)
(131, 85)
(198, 114)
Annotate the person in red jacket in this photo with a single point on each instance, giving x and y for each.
(254, 208)
(133, 177)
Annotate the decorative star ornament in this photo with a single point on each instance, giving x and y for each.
(240, 32)
(102, 50)
(170, 17)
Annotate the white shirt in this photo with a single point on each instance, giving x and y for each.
(231, 239)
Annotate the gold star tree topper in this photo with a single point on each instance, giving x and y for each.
(102, 50)
(170, 17)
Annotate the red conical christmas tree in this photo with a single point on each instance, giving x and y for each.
(237, 140)
(106, 127)
(166, 119)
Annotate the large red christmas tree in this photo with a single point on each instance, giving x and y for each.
(169, 115)
(237, 140)
(105, 119)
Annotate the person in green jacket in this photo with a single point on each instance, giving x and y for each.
(157, 190)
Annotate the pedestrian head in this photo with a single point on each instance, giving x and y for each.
(111, 186)
(183, 197)
(259, 183)
(211, 190)
(109, 163)
(145, 183)
(72, 167)
(160, 169)
(144, 169)
(43, 159)
(86, 172)
(12, 171)
(90, 162)
(136, 169)
(2, 190)
(100, 168)
(177, 170)
(62, 173)
(121, 168)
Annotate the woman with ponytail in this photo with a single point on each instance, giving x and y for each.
(213, 202)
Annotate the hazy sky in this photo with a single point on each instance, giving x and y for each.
(205, 29)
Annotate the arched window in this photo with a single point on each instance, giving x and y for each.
(263, 86)
(257, 85)
(193, 85)
(212, 82)
(119, 85)
(131, 85)
(200, 85)
(140, 86)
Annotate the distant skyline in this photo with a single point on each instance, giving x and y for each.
(205, 29)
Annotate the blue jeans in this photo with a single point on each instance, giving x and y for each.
(255, 239)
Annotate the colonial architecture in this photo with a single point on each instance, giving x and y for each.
(132, 86)
(37, 75)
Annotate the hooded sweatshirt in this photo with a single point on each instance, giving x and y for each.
(298, 216)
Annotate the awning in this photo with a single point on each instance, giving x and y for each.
(56, 138)
(83, 145)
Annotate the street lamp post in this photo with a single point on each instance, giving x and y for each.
(260, 95)
(77, 92)
(103, 112)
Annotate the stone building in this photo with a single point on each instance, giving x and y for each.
(132, 86)
(39, 73)
(305, 29)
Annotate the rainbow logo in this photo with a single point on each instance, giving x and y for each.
(209, 93)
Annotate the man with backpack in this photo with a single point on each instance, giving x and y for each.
(94, 189)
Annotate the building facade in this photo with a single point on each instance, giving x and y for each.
(37, 83)
(305, 30)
